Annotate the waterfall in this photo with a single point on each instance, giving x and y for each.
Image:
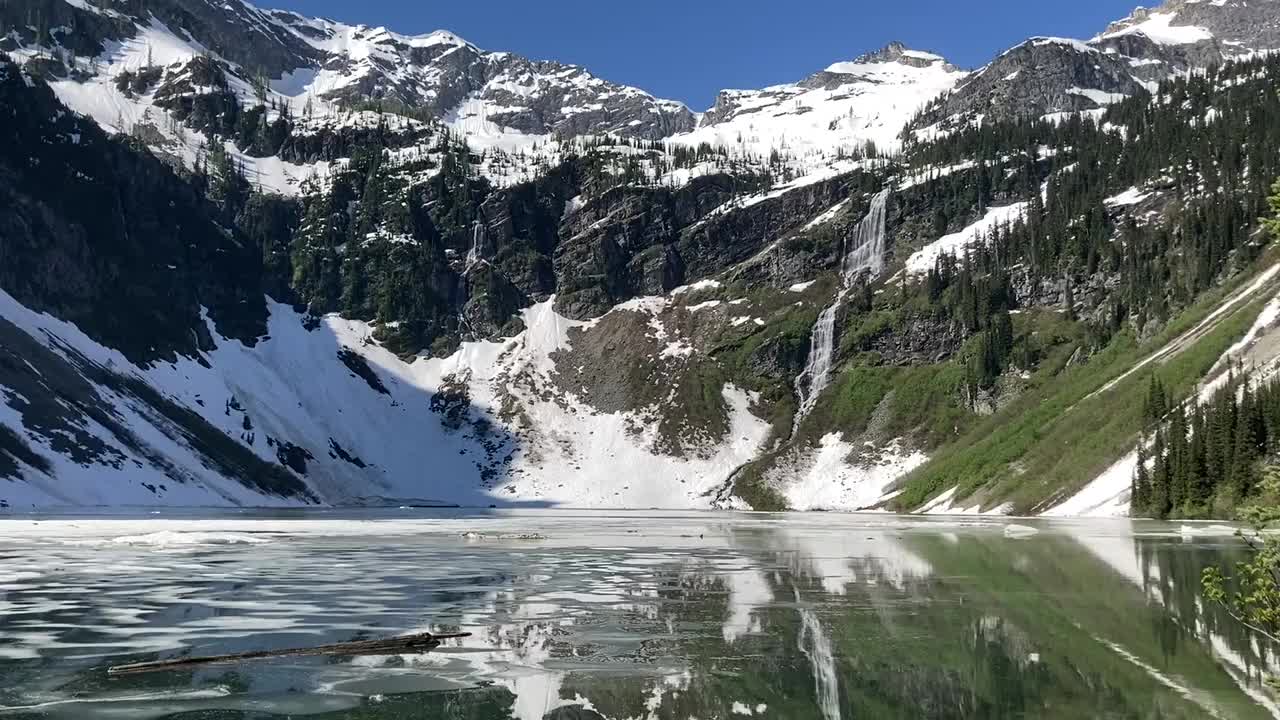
(864, 251)
(865, 247)
(816, 646)
(821, 349)
(476, 253)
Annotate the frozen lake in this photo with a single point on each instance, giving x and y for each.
(622, 615)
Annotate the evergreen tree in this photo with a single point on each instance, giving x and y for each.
(1140, 498)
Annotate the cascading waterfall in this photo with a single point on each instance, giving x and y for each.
(817, 371)
(476, 253)
(864, 251)
(816, 646)
(475, 256)
(865, 246)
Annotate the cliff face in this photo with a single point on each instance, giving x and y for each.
(105, 236)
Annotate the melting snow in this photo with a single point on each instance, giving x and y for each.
(1132, 196)
(837, 479)
(924, 260)
(1159, 28)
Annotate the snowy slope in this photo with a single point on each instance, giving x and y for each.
(1230, 28)
(837, 111)
(956, 244)
(481, 427)
(1160, 27)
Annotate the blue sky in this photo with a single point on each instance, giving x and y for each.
(689, 49)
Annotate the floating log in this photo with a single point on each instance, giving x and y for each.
(421, 643)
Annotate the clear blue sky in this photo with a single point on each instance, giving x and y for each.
(689, 49)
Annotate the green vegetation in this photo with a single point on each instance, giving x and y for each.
(1251, 595)
(386, 261)
(1204, 456)
(785, 335)
(922, 403)
(1202, 461)
(1057, 435)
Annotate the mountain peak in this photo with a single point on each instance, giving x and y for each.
(894, 52)
(438, 37)
(1236, 27)
(897, 51)
(1163, 25)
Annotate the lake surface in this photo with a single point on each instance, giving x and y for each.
(630, 615)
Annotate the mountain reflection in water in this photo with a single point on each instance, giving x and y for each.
(624, 615)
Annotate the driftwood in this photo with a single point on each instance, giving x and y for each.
(423, 643)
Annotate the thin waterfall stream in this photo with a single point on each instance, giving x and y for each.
(476, 253)
(864, 251)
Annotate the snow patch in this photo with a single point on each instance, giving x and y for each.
(841, 476)
(954, 244)
(1159, 27)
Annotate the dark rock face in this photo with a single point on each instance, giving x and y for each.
(635, 241)
(1038, 77)
(521, 228)
(897, 52)
(236, 31)
(726, 239)
(1150, 61)
(567, 100)
(918, 341)
(493, 301)
(91, 30)
(111, 239)
(781, 357)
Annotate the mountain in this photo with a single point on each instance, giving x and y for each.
(1048, 75)
(840, 110)
(1194, 33)
(476, 90)
(249, 257)
(320, 61)
(1042, 76)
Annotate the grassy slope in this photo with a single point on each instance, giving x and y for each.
(1055, 439)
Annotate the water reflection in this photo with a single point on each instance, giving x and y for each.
(662, 616)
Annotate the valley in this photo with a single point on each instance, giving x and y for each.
(250, 258)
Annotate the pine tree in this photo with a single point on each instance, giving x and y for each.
(1179, 468)
(1160, 480)
(1157, 404)
(1141, 493)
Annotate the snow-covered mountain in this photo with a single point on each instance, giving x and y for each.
(1196, 32)
(148, 68)
(477, 92)
(839, 111)
(1048, 76)
(464, 276)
